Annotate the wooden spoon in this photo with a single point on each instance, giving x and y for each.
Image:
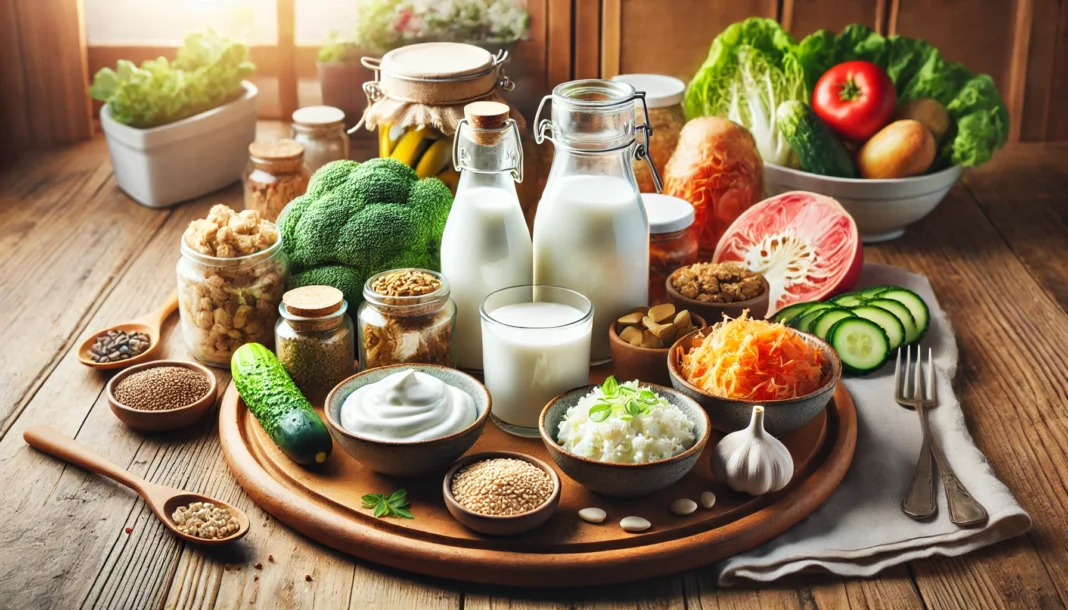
(161, 499)
(149, 324)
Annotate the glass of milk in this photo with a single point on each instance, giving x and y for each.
(535, 346)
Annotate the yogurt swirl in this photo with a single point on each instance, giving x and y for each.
(407, 406)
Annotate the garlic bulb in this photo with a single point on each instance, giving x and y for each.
(752, 460)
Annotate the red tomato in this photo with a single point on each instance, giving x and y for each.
(855, 99)
(805, 244)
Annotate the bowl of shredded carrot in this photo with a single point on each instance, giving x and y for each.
(734, 365)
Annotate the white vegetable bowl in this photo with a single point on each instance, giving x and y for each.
(162, 166)
(881, 208)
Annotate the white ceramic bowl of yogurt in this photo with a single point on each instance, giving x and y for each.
(381, 434)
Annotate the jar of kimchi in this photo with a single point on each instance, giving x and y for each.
(672, 240)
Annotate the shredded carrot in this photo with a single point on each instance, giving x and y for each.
(754, 360)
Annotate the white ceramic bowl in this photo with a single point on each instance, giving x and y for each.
(881, 208)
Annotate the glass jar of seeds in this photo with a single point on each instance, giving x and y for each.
(407, 317)
(314, 339)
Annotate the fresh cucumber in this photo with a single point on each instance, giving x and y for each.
(861, 344)
(851, 299)
(817, 148)
(894, 329)
(808, 319)
(917, 307)
(912, 331)
(790, 311)
(871, 293)
(795, 321)
(827, 319)
(283, 412)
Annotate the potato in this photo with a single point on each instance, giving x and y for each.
(927, 111)
(901, 149)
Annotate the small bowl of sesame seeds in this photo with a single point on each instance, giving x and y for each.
(501, 493)
(162, 395)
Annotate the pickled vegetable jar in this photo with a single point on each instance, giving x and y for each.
(672, 240)
(663, 97)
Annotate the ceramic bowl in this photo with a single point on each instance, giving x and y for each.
(780, 416)
(169, 419)
(881, 208)
(714, 312)
(623, 480)
(642, 363)
(508, 525)
(407, 458)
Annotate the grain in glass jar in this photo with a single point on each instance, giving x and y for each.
(231, 278)
(275, 176)
(407, 317)
(314, 339)
(663, 97)
(321, 131)
(672, 240)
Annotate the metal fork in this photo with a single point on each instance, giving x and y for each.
(919, 501)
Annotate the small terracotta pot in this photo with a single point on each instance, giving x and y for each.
(341, 86)
(643, 363)
(169, 419)
(714, 312)
(508, 525)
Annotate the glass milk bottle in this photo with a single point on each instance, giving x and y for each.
(486, 245)
(591, 233)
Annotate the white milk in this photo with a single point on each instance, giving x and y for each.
(485, 247)
(526, 367)
(591, 235)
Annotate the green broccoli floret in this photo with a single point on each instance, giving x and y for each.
(358, 219)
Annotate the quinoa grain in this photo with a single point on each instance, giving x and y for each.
(162, 387)
(501, 487)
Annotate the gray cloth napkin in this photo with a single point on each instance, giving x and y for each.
(860, 529)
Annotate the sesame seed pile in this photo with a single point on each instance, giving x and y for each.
(162, 387)
(501, 487)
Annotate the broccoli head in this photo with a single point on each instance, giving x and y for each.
(359, 219)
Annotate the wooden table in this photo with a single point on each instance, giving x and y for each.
(76, 254)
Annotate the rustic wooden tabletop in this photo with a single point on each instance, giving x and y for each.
(76, 255)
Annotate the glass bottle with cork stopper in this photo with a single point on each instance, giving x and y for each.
(314, 339)
(321, 130)
(275, 176)
(486, 245)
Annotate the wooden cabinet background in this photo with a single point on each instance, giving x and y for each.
(1022, 44)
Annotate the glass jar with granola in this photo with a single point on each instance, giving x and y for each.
(275, 176)
(407, 317)
(231, 278)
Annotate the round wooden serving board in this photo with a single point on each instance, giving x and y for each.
(323, 503)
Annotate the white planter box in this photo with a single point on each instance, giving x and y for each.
(165, 165)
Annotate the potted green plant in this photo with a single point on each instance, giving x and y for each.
(179, 129)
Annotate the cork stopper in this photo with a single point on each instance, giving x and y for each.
(489, 116)
(313, 301)
(277, 150)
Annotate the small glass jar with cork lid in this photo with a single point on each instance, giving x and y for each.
(321, 130)
(275, 176)
(314, 339)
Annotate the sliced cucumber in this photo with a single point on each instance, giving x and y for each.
(912, 331)
(790, 311)
(894, 329)
(870, 293)
(861, 344)
(916, 306)
(795, 321)
(804, 324)
(851, 299)
(827, 319)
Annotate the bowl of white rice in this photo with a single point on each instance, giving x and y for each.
(642, 438)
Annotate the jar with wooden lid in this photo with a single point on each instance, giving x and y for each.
(417, 99)
(672, 240)
(315, 340)
(275, 176)
(663, 97)
(407, 317)
(321, 131)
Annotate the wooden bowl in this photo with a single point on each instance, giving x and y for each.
(494, 525)
(714, 312)
(780, 416)
(623, 480)
(642, 363)
(408, 458)
(168, 419)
